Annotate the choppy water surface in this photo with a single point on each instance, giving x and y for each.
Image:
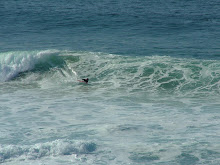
(134, 110)
(154, 88)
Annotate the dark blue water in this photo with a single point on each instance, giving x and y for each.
(184, 28)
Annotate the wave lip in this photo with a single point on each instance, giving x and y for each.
(13, 63)
(54, 148)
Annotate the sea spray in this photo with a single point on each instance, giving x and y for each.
(13, 63)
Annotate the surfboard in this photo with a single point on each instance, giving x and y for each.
(82, 81)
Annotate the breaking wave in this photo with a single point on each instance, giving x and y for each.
(154, 73)
(37, 151)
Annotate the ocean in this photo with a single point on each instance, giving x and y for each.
(154, 82)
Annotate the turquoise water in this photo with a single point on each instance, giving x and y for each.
(154, 89)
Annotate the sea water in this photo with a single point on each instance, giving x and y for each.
(154, 82)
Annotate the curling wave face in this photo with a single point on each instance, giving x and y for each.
(113, 72)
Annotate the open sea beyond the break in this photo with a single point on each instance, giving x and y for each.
(153, 96)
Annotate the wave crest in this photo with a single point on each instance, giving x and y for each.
(13, 63)
(114, 72)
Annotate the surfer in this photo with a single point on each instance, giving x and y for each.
(85, 80)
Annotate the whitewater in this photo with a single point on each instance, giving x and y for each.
(134, 110)
(154, 82)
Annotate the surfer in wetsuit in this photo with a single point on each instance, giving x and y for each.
(86, 80)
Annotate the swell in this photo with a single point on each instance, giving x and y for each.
(126, 73)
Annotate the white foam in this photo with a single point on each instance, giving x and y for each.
(13, 63)
(38, 151)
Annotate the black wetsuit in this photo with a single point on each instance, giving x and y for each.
(86, 80)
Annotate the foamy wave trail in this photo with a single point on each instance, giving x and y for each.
(114, 72)
(37, 151)
(150, 74)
